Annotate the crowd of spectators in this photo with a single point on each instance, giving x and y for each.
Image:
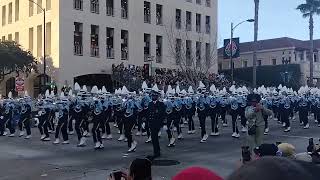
(164, 77)
(267, 162)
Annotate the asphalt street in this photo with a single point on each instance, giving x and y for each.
(32, 159)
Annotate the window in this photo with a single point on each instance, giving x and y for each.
(77, 39)
(190, 1)
(208, 3)
(16, 37)
(124, 9)
(48, 5)
(178, 50)
(9, 37)
(198, 23)
(31, 40)
(39, 41)
(188, 21)
(208, 54)
(78, 4)
(3, 38)
(39, 10)
(147, 12)
(94, 41)
(178, 18)
(16, 10)
(110, 43)
(31, 7)
(198, 2)
(301, 54)
(48, 38)
(208, 27)
(124, 45)
(159, 49)
(244, 64)
(159, 14)
(274, 62)
(188, 52)
(198, 54)
(220, 66)
(259, 62)
(147, 39)
(94, 6)
(110, 6)
(4, 17)
(10, 14)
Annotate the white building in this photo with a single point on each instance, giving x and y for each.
(85, 37)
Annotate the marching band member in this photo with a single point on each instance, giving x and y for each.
(97, 123)
(129, 121)
(155, 115)
(63, 116)
(213, 112)
(234, 105)
(202, 111)
(25, 117)
(43, 115)
(190, 110)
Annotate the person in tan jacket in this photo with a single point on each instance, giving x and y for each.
(254, 114)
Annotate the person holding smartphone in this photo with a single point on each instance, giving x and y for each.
(140, 169)
(254, 114)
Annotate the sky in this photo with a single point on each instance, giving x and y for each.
(277, 18)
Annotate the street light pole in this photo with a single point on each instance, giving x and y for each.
(44, 41)
(231, 46)
(231, 54)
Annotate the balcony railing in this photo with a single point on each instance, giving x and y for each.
(198, 28)
(110, 53)
(94, 51)
(159, 59)
(124, 13)
(147, 18)
(208, 3)
(198, 1)
(77, 50)
(159, 20)
(178, 24)
(188, 27)
(94, 8)
(124, 55)
(109, 11)
(78, 4)
(208, 29)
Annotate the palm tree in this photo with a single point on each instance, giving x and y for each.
(256, 23)
(309, 10)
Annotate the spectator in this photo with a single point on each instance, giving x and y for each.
(140, 169)
(196, 173)
(287, 150)
(276, 168)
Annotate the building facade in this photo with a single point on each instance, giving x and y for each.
(86, 37)
(277, 51)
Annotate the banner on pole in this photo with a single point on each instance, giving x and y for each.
(231, 48)
(19, 84)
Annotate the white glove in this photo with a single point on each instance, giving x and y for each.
(1, 117)
(143, 125)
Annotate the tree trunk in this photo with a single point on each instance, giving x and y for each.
(311, 57)
(255, 44)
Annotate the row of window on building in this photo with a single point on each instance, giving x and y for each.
(124, 46)
(94, 8)
(199, 2)
(7, 16)
(39, 39)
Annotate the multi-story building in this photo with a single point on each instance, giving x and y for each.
(277, 51)
(84, 38)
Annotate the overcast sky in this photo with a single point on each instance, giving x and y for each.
(277, 18)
